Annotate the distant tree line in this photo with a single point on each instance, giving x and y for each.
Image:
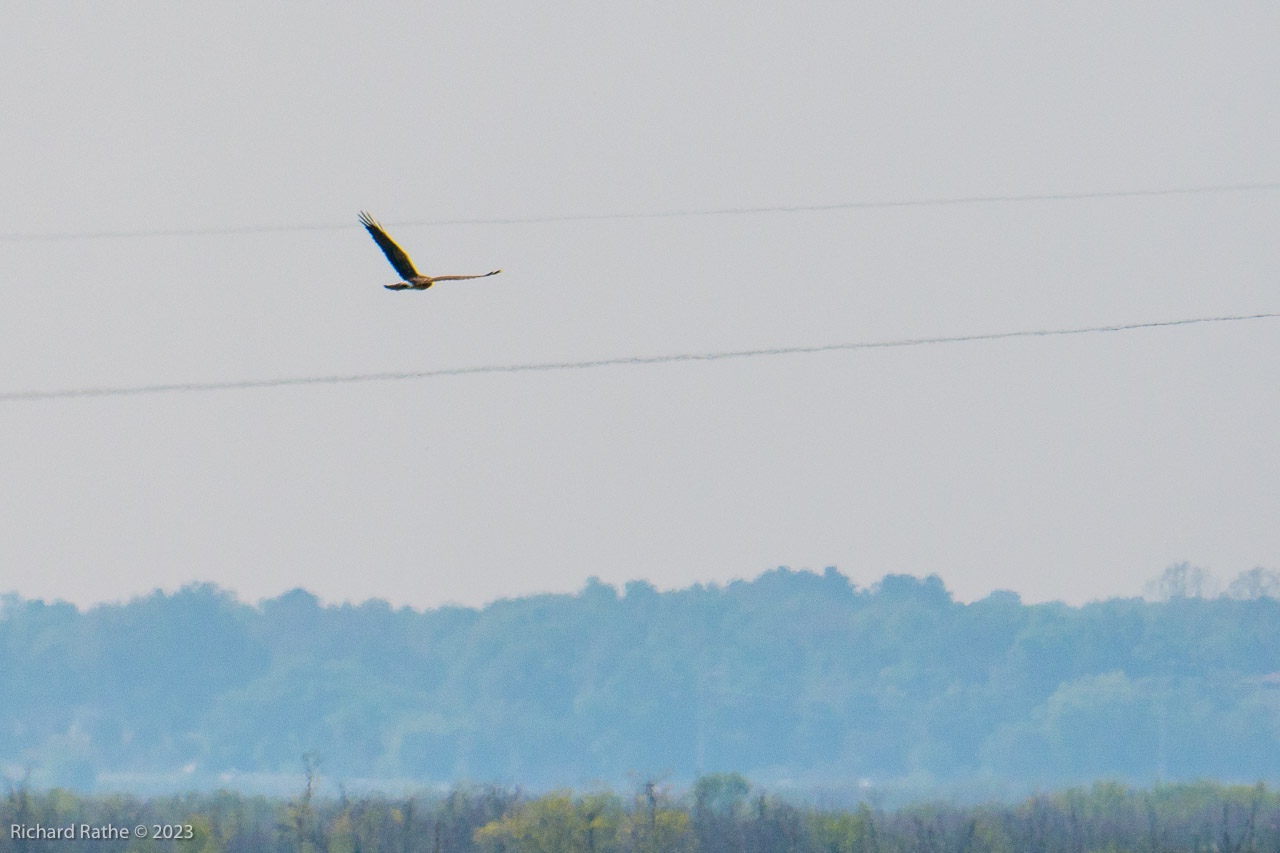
(794, 675)
(720, 813)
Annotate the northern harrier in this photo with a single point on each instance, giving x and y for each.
(404, 266)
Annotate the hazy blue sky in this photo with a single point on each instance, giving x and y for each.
(1070, 468)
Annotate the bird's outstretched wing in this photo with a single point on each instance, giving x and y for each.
(462, 277)
(394, 253)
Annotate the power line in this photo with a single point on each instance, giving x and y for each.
(126, 390)
(663, 214)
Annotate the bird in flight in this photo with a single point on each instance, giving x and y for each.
(400, 260)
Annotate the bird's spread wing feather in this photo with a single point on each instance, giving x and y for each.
(394, 253)
(462, 277)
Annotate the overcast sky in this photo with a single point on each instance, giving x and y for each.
(1066, 468)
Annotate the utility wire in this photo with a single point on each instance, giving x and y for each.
(126, 390)
(664, 214)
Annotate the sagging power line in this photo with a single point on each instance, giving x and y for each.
(663, 214)
(130, 390)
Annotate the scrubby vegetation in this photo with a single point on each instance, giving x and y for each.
(718, 814)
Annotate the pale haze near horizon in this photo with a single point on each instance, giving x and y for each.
(1069, 468)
